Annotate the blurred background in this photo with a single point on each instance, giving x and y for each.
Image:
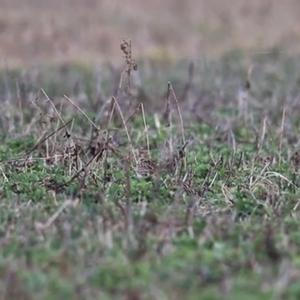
(55, 31)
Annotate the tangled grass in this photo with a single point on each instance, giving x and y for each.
(112, 188)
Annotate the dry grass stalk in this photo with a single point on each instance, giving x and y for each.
(45, 138)
(126, 129)
(82, 112)
(281, 133)
(146, 130)
(178, 111)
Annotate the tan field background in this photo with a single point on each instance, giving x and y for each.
(54, 31)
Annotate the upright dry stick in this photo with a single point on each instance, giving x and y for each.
(189, 83)
(168, 116)
(146, 130)
(281, 132)
(126, 129)
(179, 112)
(105, 155)
(263, 135)
(181, 120)
(129, 219)
(20, 105)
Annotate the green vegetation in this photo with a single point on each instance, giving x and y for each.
(117, 198)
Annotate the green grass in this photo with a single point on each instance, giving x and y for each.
(222, 223)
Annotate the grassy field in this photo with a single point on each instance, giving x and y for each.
(36, 32)
(159, 180)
